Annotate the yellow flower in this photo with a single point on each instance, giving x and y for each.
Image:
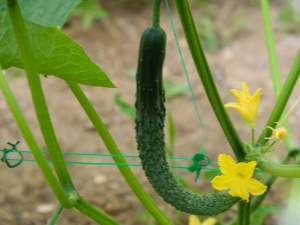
(278, 133)
(193, 220)
(247, 105)
(237, 178)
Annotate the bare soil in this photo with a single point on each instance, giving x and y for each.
(25, 197)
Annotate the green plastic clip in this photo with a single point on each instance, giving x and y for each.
(199, 160)
(7, 151)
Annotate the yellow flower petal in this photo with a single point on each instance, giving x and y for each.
(209, 221)
(254, 187)
(238, 189)
(236, 93)
(246, 169)
(278, 133)
(237, 178)
(222, 182)
(246, 104)
(193, 220)
(226, 163)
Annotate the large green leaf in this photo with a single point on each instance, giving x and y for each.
(45, 12)
(55, 54)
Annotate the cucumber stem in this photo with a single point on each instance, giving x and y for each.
(156, 13)
(244, 212)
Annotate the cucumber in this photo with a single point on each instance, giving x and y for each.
(150, 116)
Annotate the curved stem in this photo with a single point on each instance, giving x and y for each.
(31, 142)
(205, 75)
(113, 149)
(39, 99)
(279, 170)
(94, 213)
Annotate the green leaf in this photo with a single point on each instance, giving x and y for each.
(55, 54)
(45, 12)
(125, 107)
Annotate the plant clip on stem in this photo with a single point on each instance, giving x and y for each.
(13, 149)
(199, 160)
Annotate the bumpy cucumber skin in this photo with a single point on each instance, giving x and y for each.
(150, 110)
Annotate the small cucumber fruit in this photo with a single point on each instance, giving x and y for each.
(150, 116)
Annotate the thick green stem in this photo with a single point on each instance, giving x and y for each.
(31, 142)
(94, 213)
(39, 99)
(113, 149)
(156, 13)
(279, 170)
(244, 212)
(206, 77)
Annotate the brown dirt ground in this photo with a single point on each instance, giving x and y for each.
(25, 197)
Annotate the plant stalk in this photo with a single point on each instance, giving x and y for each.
(53, 220)
(274, 63)
(156, 13)
(94, 213)
(282, 100)
(39, 99)
(113, 149)
(206, 77)
(31, 142)
(244, 212)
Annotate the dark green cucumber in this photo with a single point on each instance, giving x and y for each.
(150, 112)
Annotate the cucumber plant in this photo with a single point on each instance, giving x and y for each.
(150, 116)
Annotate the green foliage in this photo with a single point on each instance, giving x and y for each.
(289, 20)
(46, 12)
(90, 11)
(55, 53)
